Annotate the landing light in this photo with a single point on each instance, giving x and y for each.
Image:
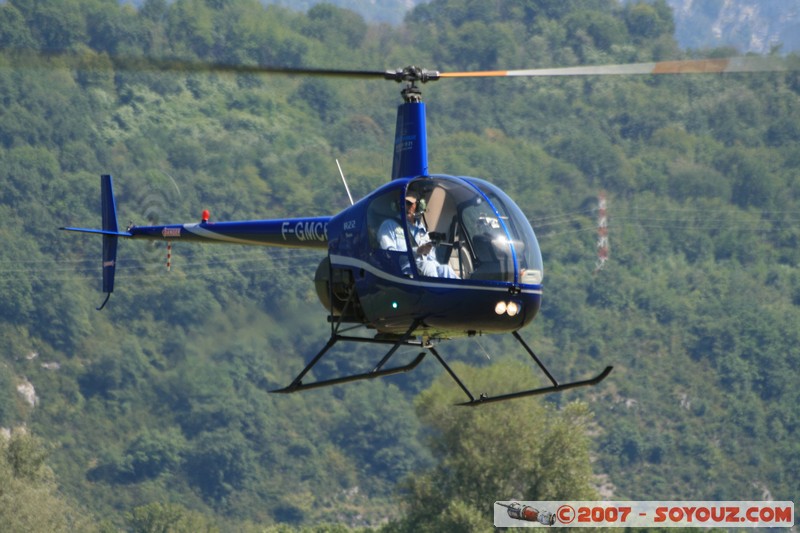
(508, 308)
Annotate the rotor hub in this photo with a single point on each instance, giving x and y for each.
(411, 75)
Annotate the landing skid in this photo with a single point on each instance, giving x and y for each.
(555, 387)
(406, 340)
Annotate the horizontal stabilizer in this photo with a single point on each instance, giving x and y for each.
(100, 232)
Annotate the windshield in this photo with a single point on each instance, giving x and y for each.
(476, 231)
(501, 222)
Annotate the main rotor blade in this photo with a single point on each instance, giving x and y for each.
(407, 74)
(690, 66)
(198, 66)
(133, 63)
(29, 58)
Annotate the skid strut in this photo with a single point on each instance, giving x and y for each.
(378, 371)
(555, 387)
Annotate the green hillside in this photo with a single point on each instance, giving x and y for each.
(155, 410)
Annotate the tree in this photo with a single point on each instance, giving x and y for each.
(332, 24)
(13, 30)
(220, 462)
(57, 24)
(529, 450)
(191, 24)
(151, 453)
(649, 21)
(604, 29)
(168, 518)
(29, 499)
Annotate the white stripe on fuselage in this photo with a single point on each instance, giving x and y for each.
(357, 263)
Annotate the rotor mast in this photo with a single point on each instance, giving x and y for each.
(411, 138)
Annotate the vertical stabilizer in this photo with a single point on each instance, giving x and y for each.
(110, 225)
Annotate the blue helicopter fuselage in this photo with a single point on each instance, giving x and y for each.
(477, 230)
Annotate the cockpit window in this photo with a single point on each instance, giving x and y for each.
(519, 232)
(475, 230)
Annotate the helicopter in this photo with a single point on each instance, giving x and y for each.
(474, 230)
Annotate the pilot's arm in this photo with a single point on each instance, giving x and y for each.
(391, 236)
(424, 249)
(422, 241)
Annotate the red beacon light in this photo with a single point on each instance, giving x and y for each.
(206, 215)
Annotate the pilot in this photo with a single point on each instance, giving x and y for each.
(391, 236)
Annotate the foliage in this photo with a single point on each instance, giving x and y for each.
(167, 518)
(531, 451)
(29, 498)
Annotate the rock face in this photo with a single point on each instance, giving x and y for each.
(748, 25)
(28, 393)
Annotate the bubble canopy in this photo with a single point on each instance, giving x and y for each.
(477, 229)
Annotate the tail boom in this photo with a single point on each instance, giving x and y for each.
(311, 232)
(293, 233)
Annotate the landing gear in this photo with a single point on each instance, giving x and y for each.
(407, 339)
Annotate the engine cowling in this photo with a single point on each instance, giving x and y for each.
(335, 295)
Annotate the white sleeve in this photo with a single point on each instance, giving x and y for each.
(388, 235)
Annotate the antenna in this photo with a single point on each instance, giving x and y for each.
(345, 182)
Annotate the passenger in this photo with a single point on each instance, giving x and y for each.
(391, 236)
